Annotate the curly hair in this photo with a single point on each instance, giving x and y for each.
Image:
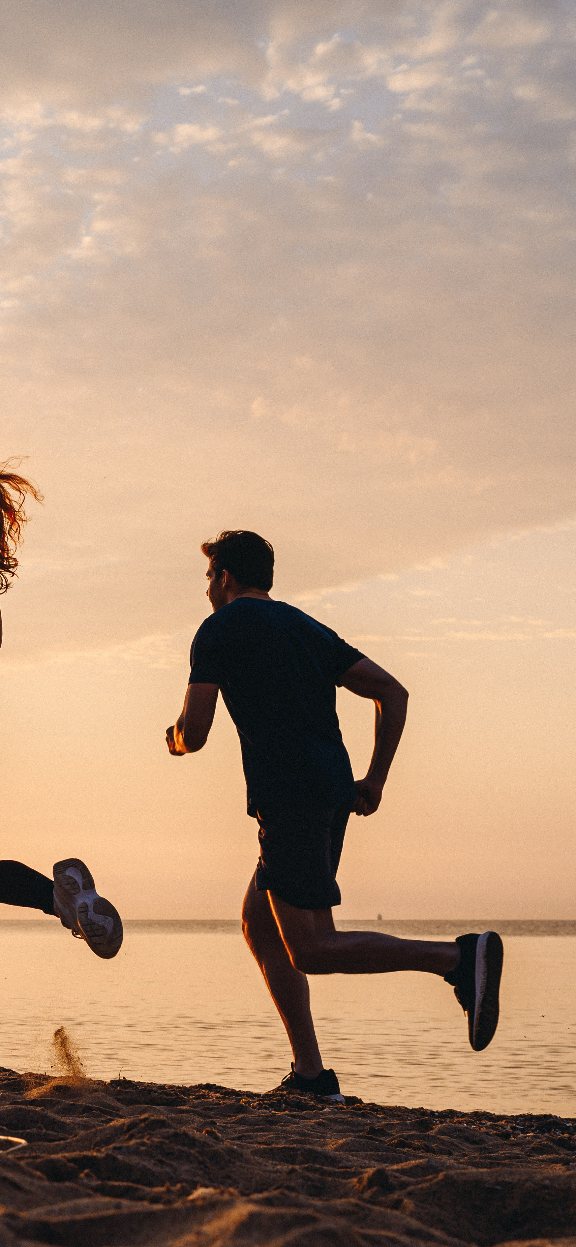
(13, 492)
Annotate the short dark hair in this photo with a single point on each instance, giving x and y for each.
(248, 557)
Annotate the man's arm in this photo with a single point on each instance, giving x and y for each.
(190, 732)
(367, 679)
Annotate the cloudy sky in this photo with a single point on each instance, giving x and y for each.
(308, 269)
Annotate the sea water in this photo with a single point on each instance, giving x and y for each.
(184, 1002)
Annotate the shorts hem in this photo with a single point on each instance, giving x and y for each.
(298, 903)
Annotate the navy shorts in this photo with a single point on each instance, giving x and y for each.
(299, 854)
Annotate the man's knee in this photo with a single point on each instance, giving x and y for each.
(304, 936)
(306, 955)
(300, 957)
(247, 919)
(256, 917)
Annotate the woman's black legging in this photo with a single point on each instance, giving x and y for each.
(21, 885)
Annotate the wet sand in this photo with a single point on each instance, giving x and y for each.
(141, 1163)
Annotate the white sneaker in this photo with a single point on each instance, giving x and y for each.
(87, 915)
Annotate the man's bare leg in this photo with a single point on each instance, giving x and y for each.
(288, 986)
(282, 937)
(316, 947)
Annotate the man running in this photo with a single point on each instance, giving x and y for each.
(277, 670)
(71, 895)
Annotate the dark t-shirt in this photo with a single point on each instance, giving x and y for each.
(277, 670)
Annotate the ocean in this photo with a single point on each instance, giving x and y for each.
(184, 1003)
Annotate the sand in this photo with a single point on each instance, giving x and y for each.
(141, 1163)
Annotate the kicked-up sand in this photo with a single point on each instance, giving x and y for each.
(122, 1163)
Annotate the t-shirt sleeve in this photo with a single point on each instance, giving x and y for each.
(339, 655)
(205, 659)
(346, 657)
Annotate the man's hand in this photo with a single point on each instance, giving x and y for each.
(173, 749)
(368, 796)
(190, 731)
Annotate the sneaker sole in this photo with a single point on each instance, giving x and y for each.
(489, 958)
(98, 920)
(311, 1095)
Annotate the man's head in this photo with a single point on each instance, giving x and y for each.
(240, 562)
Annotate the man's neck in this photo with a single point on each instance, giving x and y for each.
(256, 592)
(252, 593)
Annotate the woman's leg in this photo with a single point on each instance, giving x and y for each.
(21, 885)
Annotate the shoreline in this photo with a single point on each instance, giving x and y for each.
(124, 1162)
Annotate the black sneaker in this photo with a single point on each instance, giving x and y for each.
(476, 982)
(324, 1087)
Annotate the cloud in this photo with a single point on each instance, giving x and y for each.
(186, 135)
(506, 635)
(157, 652)
(415, 78)
(513, 26)
(100, 51)
(364, 138)
(338, 309)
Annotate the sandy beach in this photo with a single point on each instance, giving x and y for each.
(123, 1162)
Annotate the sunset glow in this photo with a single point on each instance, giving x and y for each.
(305, 269)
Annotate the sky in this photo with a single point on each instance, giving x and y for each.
(306, 269)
